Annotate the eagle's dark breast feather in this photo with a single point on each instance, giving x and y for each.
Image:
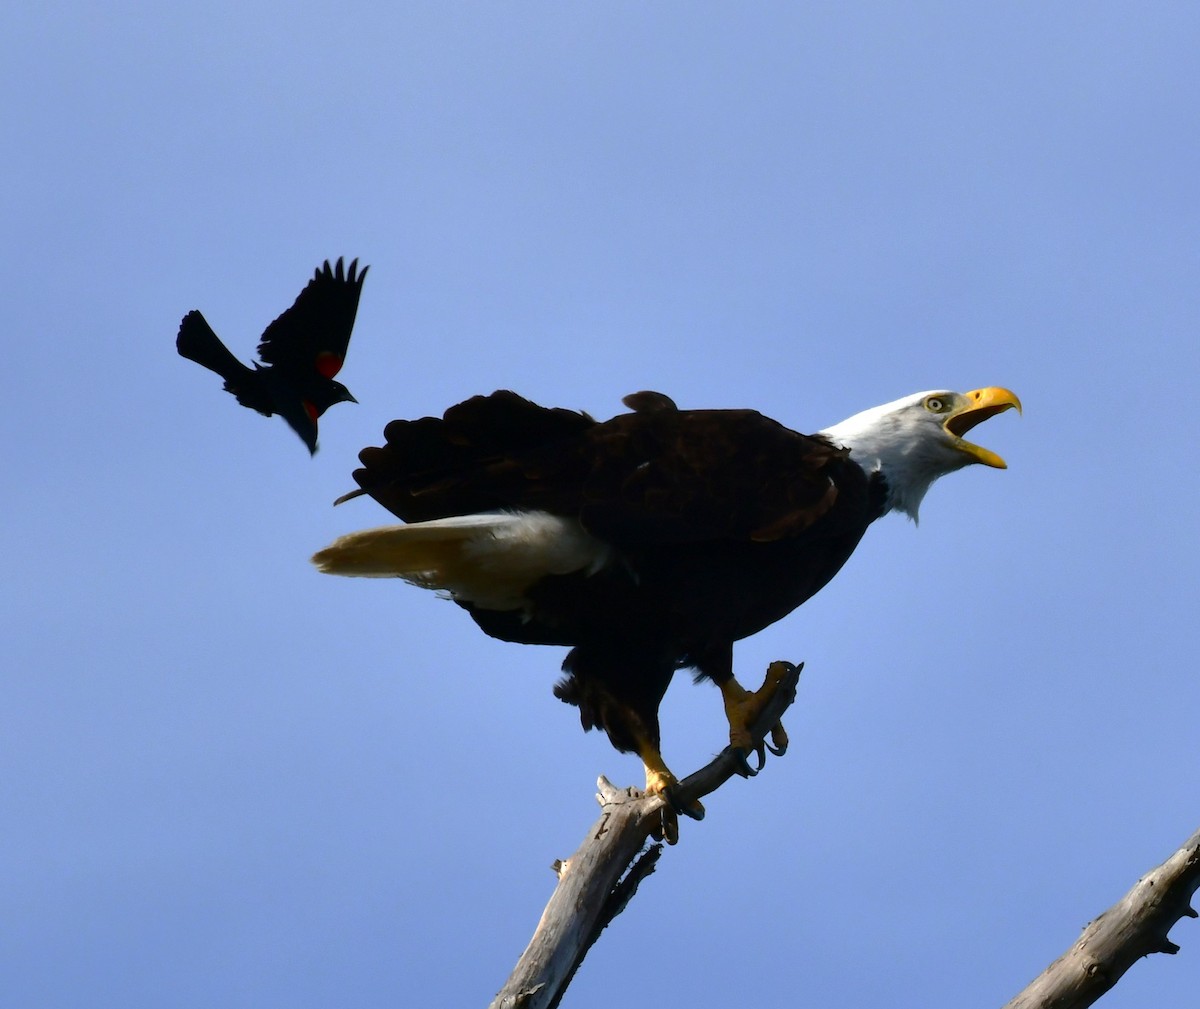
(722, 522)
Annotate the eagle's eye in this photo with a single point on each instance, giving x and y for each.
(935, 404)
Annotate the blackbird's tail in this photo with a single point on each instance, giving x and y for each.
(197, 342)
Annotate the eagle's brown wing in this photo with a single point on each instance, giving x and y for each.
(655, 475)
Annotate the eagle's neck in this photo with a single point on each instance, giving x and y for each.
(898, 465)
(894, 487)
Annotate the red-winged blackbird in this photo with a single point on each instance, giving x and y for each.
(302, 350)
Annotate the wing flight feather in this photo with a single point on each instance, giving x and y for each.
(656, 475)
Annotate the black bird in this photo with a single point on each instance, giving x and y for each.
(301, 351)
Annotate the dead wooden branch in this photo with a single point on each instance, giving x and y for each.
(597, 881)
(1134, 927)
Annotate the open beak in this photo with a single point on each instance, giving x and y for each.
(978, 406)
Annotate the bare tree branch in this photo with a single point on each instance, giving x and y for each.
(1134, 927)
(594, 884)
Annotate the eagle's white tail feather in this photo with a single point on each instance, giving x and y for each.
(489, 559)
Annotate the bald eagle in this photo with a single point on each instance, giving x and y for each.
(649, 542)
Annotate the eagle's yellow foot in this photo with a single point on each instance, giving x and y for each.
(658, 778)
(742, 708)
(660, 781)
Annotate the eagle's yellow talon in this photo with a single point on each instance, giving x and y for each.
(743, 707)
(659, 781)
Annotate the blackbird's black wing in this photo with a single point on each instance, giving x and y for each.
(311, 337)
(656, 475)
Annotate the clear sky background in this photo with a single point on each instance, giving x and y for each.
(226, 780)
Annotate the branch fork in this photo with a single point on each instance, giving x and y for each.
(596, 882)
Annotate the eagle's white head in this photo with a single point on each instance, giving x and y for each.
(919, 438)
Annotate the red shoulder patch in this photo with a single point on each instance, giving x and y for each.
(328, 364)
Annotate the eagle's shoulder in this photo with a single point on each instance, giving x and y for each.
(661, 473)
(657, 474)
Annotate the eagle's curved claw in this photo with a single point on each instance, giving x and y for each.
(667, 827)
(743, 762)
(761, 753)
(779, 739)
(695, 810)
(660, 781)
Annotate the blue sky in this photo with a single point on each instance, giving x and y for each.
(227, 780)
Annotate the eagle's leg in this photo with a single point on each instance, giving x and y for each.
(742, 707)
(658, 776)
(659, 781)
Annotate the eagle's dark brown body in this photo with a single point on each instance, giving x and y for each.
(720, 522)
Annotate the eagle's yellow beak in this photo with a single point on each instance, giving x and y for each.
(977, 407)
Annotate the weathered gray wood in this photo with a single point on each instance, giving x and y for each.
(593, 885)
(1134, 927)
(597, 881)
